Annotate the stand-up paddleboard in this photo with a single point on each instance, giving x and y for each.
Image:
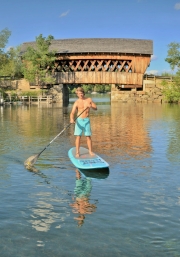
(85, 160)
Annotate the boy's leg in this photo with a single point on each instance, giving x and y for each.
(89, 144)
(77, 145)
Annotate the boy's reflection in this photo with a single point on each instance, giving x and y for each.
(81, 204)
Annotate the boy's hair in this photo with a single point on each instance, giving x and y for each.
(80, 89)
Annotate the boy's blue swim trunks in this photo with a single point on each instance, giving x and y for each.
(82, 126)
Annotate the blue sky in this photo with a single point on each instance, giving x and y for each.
(158, 20)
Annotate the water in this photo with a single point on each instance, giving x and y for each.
(133, 211)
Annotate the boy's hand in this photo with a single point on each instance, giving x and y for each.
(72, 121)
(89, 105)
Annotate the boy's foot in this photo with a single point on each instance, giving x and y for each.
(77, 155)
(91, 153)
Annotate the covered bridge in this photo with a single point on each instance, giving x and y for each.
(101, 60)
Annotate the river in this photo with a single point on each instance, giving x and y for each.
(132, 211)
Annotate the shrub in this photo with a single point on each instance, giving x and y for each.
(171, 91)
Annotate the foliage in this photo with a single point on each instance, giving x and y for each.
(91, 88)
(31, 93)
(10, 63)
(38, 62)
(99, 88)
(4, 36)
(166, 74)
(71, 89)
(171, 91)
(107, 88)
(173, 57)
(87, 88)
(3, 93)
(16, 96)
(13, 65)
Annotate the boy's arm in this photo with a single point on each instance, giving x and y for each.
(93, 105)
(74, 108)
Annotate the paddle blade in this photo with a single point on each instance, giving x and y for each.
(31, 160)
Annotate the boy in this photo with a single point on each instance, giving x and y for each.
(82, 122)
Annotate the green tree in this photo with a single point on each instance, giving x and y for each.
(15, 62)
(10, 62)
(38, 61)
(171, 90)
(173, 57)
(13, 65)
(107, 88)
(99, 88)
(87, 88)
(4, 36)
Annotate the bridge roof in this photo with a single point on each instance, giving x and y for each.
(98, 45)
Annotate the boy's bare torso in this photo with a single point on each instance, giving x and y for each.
(81, 105)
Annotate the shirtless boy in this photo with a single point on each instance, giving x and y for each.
(82, 122)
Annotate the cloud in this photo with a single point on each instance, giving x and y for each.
(152, 72)
(64, 14)
(177, 6)
(153, 57)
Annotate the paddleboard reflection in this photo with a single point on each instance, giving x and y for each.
(95, 173)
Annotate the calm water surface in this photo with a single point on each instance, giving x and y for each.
(56, 211)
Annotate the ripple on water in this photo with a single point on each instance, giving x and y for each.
(134, 211)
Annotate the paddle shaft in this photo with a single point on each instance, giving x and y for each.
(61, 132)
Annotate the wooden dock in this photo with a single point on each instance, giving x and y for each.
(29, 100)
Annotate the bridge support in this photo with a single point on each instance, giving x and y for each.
(60, 94)
(151, 92)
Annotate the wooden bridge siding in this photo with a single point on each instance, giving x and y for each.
(139, 66)
(139, 63)
(99, 78)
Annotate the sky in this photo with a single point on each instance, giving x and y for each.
(157, 20)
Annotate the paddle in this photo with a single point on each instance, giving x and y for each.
(32, 159)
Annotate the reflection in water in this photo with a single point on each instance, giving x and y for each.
(95, 173)
(43, 215)
(121, 130)
(81, 204)
(44, 212)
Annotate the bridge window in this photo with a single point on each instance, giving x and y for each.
(94, 65)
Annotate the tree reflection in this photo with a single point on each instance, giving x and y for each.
(81, 204)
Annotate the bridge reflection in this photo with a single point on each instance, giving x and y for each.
(121, 131)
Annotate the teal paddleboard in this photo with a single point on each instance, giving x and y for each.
(85, 160)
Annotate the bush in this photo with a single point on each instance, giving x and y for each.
(3, 93)
(171, 91)
(31, 93)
